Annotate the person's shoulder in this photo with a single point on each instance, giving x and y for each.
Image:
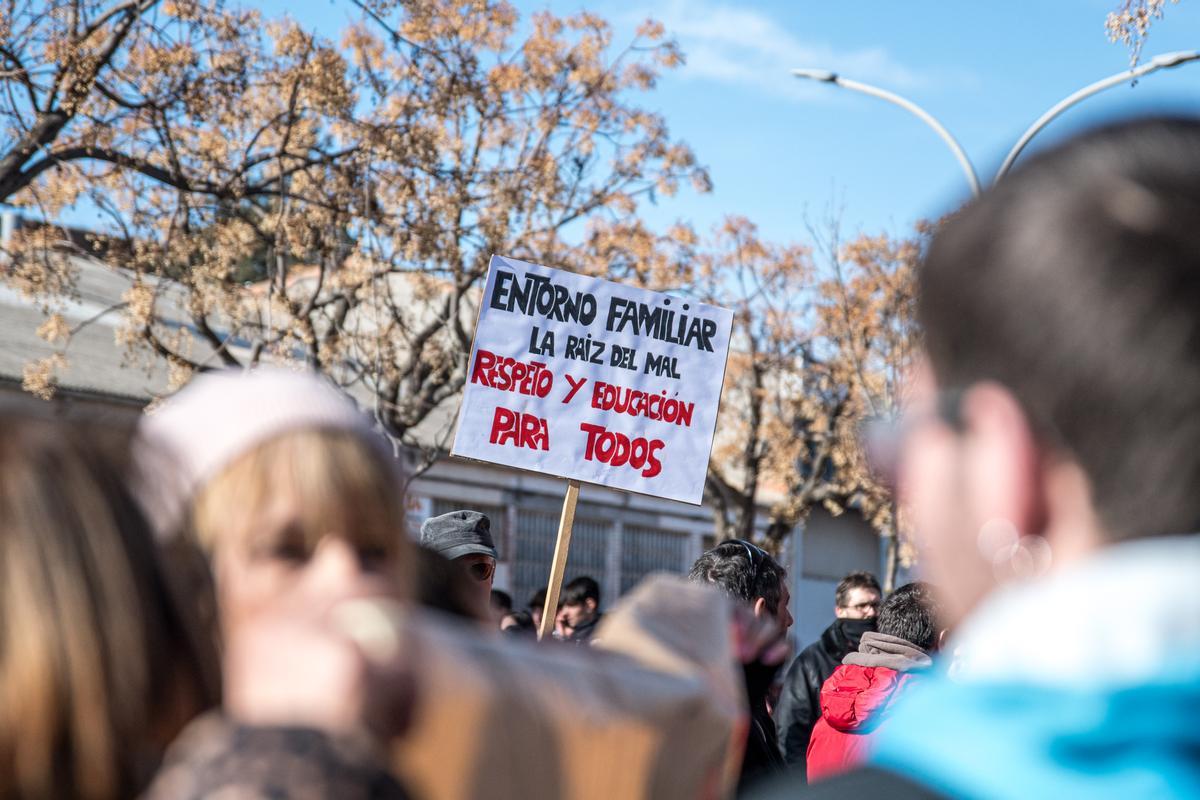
(585, 632)
(863, 782)
(858, 676)
(815, 648)
(214, 756)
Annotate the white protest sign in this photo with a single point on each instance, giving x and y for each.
(594, 381)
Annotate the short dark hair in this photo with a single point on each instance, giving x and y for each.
(855, 580)
(743, 571)
(538, 601)
(501, 600)
(579, 591)
(1075, 283)
(911, 613)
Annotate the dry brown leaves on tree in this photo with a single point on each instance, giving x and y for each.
(335, 203)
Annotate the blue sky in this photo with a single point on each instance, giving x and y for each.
(779, 148)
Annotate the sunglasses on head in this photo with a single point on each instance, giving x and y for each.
(481, 570)
(756, 555)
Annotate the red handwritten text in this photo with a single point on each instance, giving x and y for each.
(636, 403)
(617, 449)
(575, 387)
(522, 430)
(511, 375)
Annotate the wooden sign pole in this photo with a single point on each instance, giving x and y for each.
(559, 567)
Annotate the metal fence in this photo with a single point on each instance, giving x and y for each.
(535, 536)
(646, 550)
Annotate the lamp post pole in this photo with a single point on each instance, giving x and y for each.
(825, 76)
(1164, 61)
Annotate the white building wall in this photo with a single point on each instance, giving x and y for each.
(826, 549)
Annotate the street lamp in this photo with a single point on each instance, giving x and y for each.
(1164, 61)
(825, 76)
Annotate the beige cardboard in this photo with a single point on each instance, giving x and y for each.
(654, 709)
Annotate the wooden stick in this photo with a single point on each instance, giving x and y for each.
(559, 567)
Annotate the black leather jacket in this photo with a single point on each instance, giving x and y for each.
(799, 705)
(762, 756)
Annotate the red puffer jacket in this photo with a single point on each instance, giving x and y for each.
(854, 701)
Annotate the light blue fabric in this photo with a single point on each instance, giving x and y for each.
(997, 740)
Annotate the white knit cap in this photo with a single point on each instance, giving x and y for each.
(219, 416)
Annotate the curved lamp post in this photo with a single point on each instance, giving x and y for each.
(1166, 60)
(825, 76)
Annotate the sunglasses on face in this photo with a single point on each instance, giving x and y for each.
(883, 437)
(481, 570)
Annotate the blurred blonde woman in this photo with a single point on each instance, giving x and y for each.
(100, 664)
(298, 504)
(272, 473)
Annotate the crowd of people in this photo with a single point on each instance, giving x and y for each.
(461, 543)
(221, 602)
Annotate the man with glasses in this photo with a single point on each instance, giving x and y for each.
(465, 538)
(856, 603)
(857, 597)
(750, 574)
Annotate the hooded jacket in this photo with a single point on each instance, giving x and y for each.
(799, 704)
(1105, 707)
(857, 698)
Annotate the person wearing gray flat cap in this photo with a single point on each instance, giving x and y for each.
(464, 537)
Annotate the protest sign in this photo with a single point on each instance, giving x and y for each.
(593, 381)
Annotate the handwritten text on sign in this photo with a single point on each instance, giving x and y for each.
(589, 379)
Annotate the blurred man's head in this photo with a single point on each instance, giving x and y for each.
(1061, 317)
(464, 537)
(748, 573)
(857, 596)
(911, 613)
(579, 602)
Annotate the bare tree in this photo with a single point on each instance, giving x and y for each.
(298, 199)
(822, 339)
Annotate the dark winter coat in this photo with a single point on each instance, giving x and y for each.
(215, 757)
(762, 757)
(856, 700)
(800, 699)
(584, 633)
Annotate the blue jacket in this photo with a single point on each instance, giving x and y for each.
(1102, 704)
(1015, 740)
